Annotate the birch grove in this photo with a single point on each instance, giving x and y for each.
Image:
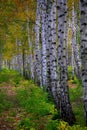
(47, 43)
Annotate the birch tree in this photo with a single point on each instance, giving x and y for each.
(44, 5)
(53, 55)
(77, 64)
(19, 57)
(48, 40)
(65, 105)
(30, 60)
(0, 58)
(84, 51)
(37, 65)
(49, 43)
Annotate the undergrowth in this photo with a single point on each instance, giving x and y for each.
(10, 76)
(76, 97)
(4, 103)
(39, 112)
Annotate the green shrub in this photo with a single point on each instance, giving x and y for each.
(17, 80)
(34, 100)
(64, 126)
(4, 77)
(76, 92)
(56, 115)
(75, 80)
(61, 125)
(69, 72)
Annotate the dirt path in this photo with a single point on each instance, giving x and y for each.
(12, 116)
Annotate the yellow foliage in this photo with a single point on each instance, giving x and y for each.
(15, 30)
(9, 49)
(21, 9)
(63, 126)
(32, 129)
(69, 4)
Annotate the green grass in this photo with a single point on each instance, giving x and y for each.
(77, 104)
(37, 112)
(76, 95)
(10, 76)
(7, 77)
(25, 124)
(34, 100)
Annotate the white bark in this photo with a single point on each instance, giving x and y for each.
(44, 43)
(84, 51)
(37, 52)
(19, 68)
(53, 55)
(74, 45)
(65, 105)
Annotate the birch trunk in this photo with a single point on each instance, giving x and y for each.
(18, 57)
(1, 56)
(53, 55)
(0, 59)
(74, 45)
(38, 53)
(65, 105)
(24, 59)
(44, 43)
(30, 61)
(73, 63)
(48, 40)
(84, 51)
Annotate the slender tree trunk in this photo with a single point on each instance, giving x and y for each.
(65, 106)
(48, 40)
(18, 57)
(53, 55)
(30, 63)
(38, 52)
(74, 45)
(73, 63)
(0, 58)
(66, 34)
(84, 51)
(25, 71)
(44, 43)
(72, 52)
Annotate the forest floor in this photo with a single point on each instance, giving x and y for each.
(10, 117)
(27, 108)
(17, 96)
